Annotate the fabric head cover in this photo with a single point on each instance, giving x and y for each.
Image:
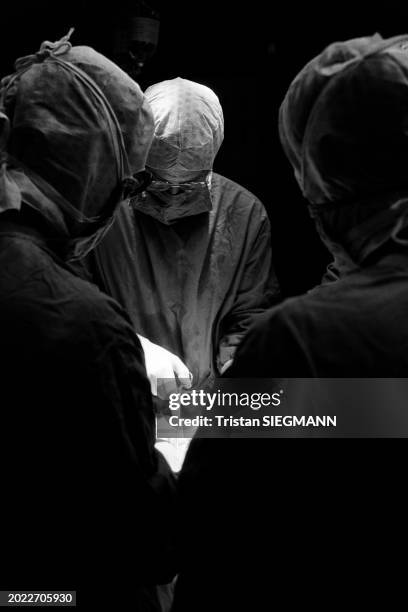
(189, 128)
(79, 126)
(344, 127)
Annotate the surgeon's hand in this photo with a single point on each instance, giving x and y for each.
(161, 364)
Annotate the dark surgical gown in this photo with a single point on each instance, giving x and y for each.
(273, 523)
(83, 490)
(193, 287)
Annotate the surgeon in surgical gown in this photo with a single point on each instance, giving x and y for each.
(83, 487)
(297, 524)
(190, 259)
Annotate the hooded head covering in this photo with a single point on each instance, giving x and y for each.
(344, 127)
(188, 128)
(74, 129)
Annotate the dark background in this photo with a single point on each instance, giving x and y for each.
(248, 53)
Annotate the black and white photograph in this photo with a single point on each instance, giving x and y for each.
(203, 305)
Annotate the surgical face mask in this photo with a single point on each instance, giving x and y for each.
(170, 202)
(128, 189)
(363, 227)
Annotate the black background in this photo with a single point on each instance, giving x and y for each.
(248, 53)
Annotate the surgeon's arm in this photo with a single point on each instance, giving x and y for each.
(258, 290)
(125, 432)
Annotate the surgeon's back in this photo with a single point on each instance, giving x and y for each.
(281, 524)
(354, 327)
(77, 433)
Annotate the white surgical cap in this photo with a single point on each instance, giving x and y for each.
(189, 126)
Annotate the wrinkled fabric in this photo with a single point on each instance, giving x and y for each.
(354, 328)
(89, 128)
(343, 127)
(167, 207)
(193, 287)
(77, 436)
(85, 485)
(189, 127)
